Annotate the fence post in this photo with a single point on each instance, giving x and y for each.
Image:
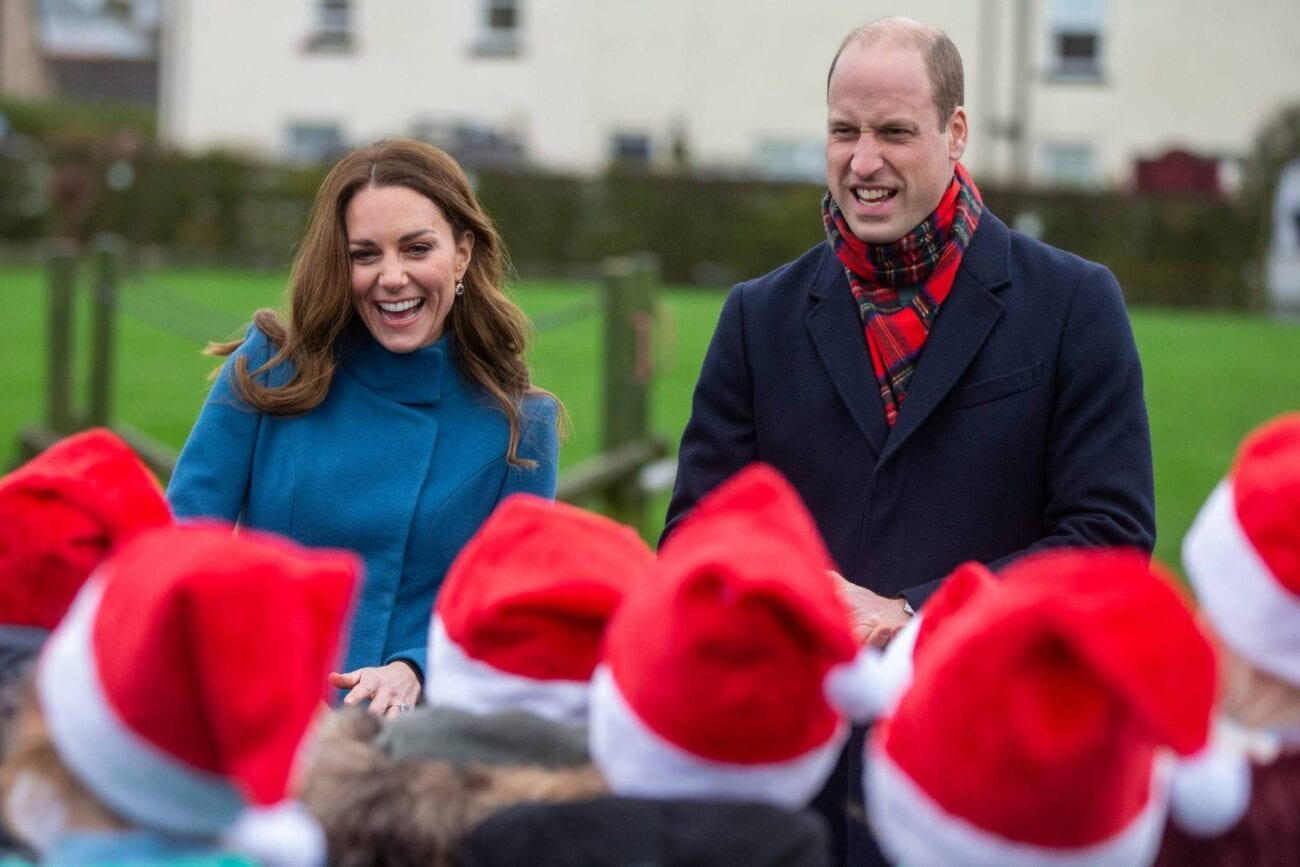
(61, 296)
(107, 257)
(629, 311)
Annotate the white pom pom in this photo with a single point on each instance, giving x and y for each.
(284, 835)
(1209, 792)
(854, 688)
(895, 672)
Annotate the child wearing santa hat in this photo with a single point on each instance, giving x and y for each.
(168, 706)
(1052, 717)
(709, 717)
(60, 514)
(1242, 557)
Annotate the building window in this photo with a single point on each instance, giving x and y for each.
(332, 26)
(499, 29)
(790, 159)
(630, 150)
(1070, 165)
(1075, 33)
(313, 143)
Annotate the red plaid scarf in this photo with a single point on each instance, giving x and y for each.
(926, 259)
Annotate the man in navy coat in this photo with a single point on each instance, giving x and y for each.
(937, 387)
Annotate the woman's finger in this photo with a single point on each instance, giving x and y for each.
(367, 683)
(383, 699)
(344, 680)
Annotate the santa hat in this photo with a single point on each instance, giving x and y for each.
(1044, 721)
(60, 514)
(1242, 554)
(713, 683)
(179, 685)
(519, 620)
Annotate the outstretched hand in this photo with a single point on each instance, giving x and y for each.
(391, 689)
(876, 619)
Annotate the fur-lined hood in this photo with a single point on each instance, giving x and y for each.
(379, 810)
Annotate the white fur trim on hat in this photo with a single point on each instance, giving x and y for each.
(1253, 614)
(282, 835)
(123, 770)
(913, 829)
(637, 762)
(455, 680)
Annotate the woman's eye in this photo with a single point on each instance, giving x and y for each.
(419, 249)
(362, 255)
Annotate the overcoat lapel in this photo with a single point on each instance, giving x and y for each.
(963, 324)
(836, 329)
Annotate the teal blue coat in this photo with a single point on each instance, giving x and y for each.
(128, 849)
(401, 462)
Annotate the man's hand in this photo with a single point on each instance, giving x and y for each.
(876, 620)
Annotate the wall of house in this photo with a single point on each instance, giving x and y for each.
(731, 85)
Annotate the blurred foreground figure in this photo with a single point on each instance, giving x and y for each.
(709, 712)
(158, 727)
(1242, 556)
(515, 636)
(60, 514)
(1053, 716)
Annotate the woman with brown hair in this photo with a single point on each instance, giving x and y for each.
(393, 409)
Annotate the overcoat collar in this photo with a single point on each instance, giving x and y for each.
(963, 324)
(418, 378)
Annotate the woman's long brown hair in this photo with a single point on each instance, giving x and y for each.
(491, 331)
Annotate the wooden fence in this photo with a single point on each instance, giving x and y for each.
(612, 480)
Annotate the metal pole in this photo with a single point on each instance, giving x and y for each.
(107, 256)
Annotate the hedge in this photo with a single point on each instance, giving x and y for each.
(1165, 251)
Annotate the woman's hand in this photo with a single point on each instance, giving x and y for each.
(391, 688)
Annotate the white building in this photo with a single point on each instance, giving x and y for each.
(1057, 90)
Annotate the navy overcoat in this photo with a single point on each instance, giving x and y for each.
(1024, 424)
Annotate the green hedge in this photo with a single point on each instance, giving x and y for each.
(1165, 251)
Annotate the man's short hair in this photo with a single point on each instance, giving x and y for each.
(942, 59)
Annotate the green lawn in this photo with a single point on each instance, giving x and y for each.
(1209, 379)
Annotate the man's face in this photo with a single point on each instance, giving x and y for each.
(888, 162)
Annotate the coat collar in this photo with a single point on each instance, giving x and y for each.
(963, 324)
(418, 378)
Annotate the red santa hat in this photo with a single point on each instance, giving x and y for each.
(1044, 721)
(60, 514)
(179, 685)
(1242, 554)
(519, 620)
(714, 679)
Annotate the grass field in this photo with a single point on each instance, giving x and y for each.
(1209, 379)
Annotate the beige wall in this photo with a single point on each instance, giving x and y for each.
(728, 74)
(23, 73)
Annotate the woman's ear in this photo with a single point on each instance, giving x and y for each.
(464, 253)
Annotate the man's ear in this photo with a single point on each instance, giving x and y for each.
(956, 133)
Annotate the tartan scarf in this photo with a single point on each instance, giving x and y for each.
(925, 259)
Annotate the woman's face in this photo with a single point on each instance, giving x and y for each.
(406, 262)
